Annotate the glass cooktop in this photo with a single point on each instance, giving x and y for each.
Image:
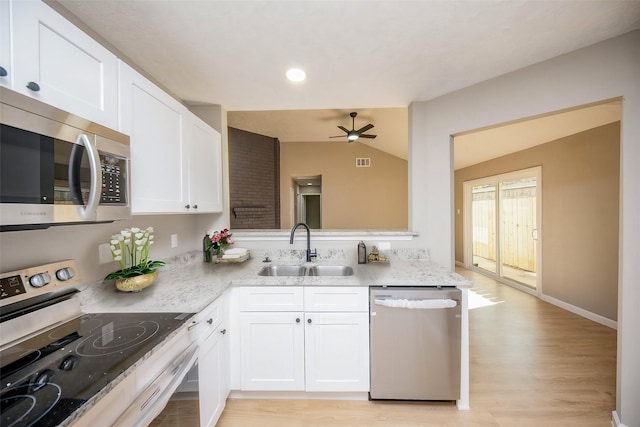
(47, 377)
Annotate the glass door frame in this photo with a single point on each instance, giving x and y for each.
(468, 225)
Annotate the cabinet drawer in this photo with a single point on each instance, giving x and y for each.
(271, 298)
(333, 298)
(211, 319)
(213, 314)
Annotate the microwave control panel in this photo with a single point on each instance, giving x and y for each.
(114, 181)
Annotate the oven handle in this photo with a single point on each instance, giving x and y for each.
(89, 211)
(150, 403)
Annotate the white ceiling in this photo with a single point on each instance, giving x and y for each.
(373, 57)
(390, 125)
(475, 147)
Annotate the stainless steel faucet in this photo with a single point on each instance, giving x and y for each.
(310, 254)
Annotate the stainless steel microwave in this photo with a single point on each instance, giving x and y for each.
(57, 168)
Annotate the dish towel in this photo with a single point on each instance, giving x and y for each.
(235, 253)
(417, 304)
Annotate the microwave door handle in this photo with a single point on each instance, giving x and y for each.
(87, 212)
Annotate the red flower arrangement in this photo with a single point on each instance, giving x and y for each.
(220, 241)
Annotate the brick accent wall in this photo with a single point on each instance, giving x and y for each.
(254, 170)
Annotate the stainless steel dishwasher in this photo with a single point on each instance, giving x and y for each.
(415, 343)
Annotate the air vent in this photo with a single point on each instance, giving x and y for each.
(363, 162)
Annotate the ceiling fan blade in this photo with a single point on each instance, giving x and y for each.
(365, 128)
(344, 129)
(368, 136)
(338, 136)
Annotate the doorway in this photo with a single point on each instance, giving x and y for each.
(502, 235)
(308, 201)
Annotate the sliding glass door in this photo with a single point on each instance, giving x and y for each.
(502, 216)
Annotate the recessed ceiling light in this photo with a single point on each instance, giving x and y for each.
(296, 75)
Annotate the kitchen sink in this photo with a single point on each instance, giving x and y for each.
(301, 270)
(282, 270)
(330, 270)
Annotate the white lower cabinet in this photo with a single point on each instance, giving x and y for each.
(213, 383)
(210, 377)
(337, 351)
(326, 349)
(272, 351)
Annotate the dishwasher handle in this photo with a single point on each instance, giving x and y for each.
(425, 304)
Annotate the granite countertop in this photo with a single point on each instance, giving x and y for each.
(187, 284)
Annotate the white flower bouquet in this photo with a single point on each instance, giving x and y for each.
(130, 248)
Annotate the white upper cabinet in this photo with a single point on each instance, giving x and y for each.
(57, 63)
(176, 158)
(204, 164)
(155, 122)
(6, 69)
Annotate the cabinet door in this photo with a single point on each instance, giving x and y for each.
(154, 121)
(337, 351)
(5, 45)
(212, 378)
(205, 166)
(272, 351)
(73, 72)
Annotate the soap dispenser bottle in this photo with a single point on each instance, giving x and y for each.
(362, 253)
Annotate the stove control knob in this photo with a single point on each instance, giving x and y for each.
(41, 379)
(65, 274)
(69, 363)
(39, 280)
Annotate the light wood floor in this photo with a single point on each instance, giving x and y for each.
(531, 364)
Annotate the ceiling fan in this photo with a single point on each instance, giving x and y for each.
(354, 134)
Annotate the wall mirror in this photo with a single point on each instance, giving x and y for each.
(317, 174)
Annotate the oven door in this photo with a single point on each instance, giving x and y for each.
(150, 403)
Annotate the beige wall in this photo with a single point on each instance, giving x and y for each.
(352, 198)
(580, 199)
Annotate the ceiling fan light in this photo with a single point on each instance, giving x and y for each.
(352, 137)
(296, 75)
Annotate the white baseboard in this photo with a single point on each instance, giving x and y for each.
(580, 311)
(463, 405)
(559, 303)
(615, 420)
(459, 263)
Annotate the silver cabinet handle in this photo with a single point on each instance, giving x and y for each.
(224, 331)
(188, 206)
(210, 321)
(195, 206)
(297, 320)
(309, 321)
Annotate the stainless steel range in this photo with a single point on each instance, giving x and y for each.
(57, 361)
